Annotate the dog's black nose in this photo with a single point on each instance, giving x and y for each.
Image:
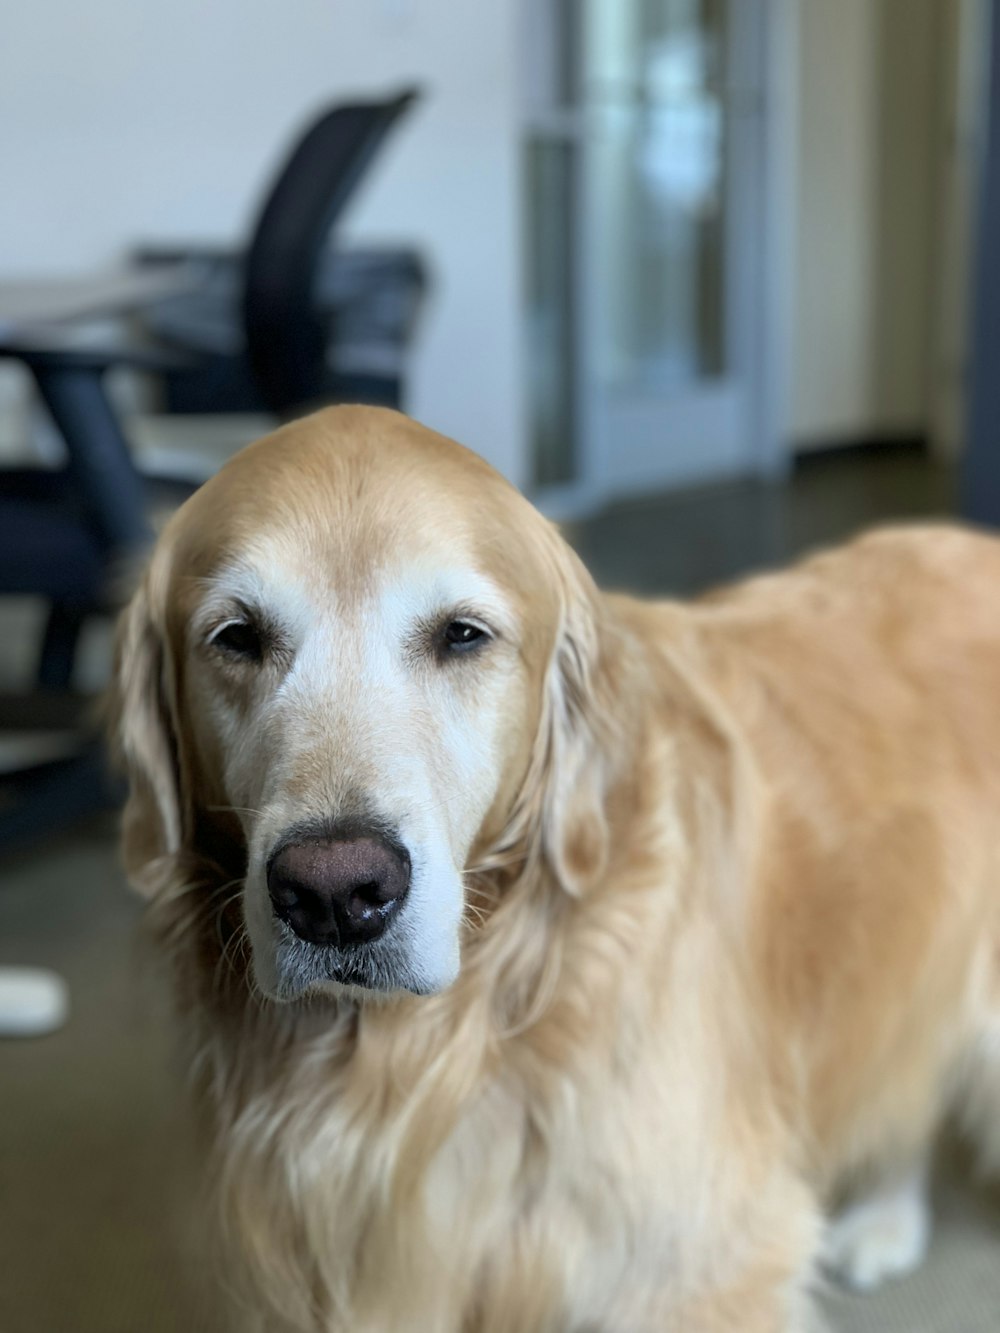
(338, 891)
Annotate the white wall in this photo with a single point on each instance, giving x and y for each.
(123, 120)
(870, 105)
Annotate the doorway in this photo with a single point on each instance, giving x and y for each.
(644, 194)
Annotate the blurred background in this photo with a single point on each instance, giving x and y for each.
(715, 281)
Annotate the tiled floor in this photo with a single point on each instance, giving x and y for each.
(99, 1181)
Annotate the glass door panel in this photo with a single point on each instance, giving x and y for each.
(649, 241)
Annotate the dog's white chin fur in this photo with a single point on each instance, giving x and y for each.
(294, 970)
(419, 954)
(341, 992)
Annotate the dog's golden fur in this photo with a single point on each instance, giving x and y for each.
(732, 940)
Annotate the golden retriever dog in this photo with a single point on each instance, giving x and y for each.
(559, 962)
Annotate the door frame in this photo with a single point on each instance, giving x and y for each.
(980, 473)
(771, 27)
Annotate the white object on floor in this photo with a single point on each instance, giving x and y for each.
(881, 1235)
(33, 1001)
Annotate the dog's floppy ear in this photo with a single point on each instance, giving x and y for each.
(575, 735)
(143, 733)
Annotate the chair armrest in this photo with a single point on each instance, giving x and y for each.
(182, 252)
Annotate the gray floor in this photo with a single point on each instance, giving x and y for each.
(97, 1168)
(682, 543)
(99, 1212)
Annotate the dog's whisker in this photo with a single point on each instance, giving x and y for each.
(228, 956)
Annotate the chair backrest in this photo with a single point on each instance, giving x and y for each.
(285, 333)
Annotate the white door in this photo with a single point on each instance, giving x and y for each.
(644, 192)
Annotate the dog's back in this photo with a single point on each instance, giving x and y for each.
(866, 685)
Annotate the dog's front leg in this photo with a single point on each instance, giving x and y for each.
(749, 1311)
(768, 1290)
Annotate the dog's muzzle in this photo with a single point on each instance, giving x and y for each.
(339, 891)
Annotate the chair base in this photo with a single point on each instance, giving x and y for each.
(37, 802)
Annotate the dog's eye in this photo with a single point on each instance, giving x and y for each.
(239, 639)
(460, 636)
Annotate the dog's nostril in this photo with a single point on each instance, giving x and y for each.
(367, 898)
(339, 891)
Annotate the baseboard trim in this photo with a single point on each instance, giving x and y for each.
(874, 446)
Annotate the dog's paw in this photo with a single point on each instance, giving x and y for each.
(880, 1236)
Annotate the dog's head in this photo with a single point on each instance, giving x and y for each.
(358, 664)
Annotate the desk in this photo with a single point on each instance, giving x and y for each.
(33, 303)
(42, 326)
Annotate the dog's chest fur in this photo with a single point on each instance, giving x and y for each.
(557, 1198)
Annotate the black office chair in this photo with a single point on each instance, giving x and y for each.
(66, 534)
(47, 549)
(293, 323)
